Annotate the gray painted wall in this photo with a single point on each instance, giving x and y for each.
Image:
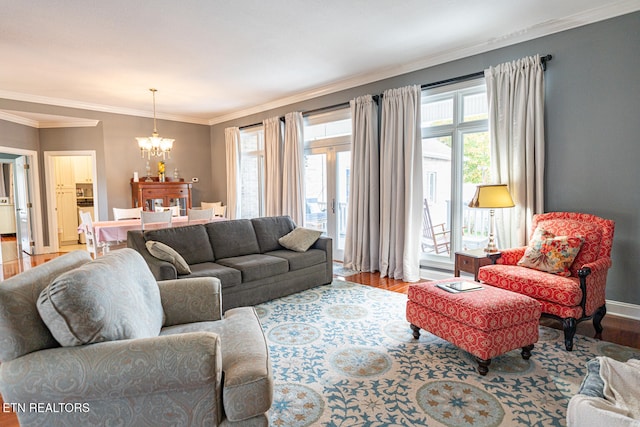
(592, 128)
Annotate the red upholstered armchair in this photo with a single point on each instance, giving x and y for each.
(572, 299)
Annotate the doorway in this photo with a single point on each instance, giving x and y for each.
(327, 171)
(21, 228)
(71, 183)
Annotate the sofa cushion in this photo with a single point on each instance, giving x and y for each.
(256, 266)
(551, 253)
(536, 284)
(227, 276)
(191, 242)
(300, 260)
(270, 229)
(167, 253)
(112, 298)
(300, 239)
(590, 232)
(232, 238)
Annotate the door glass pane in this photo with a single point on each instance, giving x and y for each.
(475, 170)
(436, 219)
(315, 178)
(250, 186)
(343, 171)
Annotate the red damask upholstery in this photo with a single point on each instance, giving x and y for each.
(572, 299)
(485, 323)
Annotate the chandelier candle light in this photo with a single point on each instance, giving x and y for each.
(154, 145)
(492, 197)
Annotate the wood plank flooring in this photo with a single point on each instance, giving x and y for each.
(616, 329)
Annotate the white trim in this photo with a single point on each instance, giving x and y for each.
(36, 220)
(71, 123)
(623, 309)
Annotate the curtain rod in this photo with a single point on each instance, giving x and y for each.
(543, 60)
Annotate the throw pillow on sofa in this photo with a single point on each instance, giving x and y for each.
(167, 253)
(112, 298)
(300, 239)
(551, 253)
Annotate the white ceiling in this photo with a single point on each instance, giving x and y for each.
(216, 60)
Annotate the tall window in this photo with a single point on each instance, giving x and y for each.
(455, 158)
(252, 172)
(327, 163)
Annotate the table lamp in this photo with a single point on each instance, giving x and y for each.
(492, 197)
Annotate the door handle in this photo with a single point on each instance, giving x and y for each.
(333, 205)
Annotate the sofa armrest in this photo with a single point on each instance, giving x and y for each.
(162, 270)
(193, 299)
(114, 370)
(326, 244)
(511, 256)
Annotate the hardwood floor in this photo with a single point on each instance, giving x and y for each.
(616, 329)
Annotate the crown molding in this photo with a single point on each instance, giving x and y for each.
(17, 96)
(71, 123)
(534, 32)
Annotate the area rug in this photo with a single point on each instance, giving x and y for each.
(340, 270)
(343, 355)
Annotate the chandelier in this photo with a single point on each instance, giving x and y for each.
(154, 145)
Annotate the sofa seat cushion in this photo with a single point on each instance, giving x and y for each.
(114, 297)
(533, 283)
(191, 242)
(256, 266)
(248, 383)
(227, 276)
(300, 260)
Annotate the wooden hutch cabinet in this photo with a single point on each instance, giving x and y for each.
(153, 194)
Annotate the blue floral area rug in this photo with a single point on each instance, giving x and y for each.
(344, 355)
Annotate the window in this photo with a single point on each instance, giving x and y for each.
(455, 158)
(252, 172)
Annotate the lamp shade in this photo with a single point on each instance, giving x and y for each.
(492, 197)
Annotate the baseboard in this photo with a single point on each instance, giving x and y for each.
(623, 309)
(614, 308)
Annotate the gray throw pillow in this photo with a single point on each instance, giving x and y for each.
(167, 253)
(300, 239)
(114, 297)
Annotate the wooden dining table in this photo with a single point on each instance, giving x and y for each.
(110, 232)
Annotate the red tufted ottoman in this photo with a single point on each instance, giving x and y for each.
(486, 323)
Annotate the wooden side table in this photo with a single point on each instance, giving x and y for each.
(471, 261)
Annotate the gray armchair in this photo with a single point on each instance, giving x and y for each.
(201, 369)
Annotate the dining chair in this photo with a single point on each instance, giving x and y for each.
(219, 211)
(126, 213)
(199, 214)
(209, 205)
(175, 210)
(90, 238)
(156, 218)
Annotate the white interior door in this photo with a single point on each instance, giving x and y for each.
(327, 172)
(24, 205)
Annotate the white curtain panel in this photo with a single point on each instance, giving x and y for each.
(362, 245)
(400, 184)
(273, 166)
(232, 145)
(515, 92)
(293, 168)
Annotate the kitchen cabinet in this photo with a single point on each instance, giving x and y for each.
(150, 195)
(83, 170)
(64, 170)
(67, 215)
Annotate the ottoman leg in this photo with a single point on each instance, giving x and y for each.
(416, 331)
(526, 352)
(483, 365)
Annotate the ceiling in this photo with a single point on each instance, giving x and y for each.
(216, 60)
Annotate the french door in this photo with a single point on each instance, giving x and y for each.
(327, 171)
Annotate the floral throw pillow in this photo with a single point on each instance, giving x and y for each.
(551, 253)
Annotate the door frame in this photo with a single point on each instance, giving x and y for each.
(50, 185)
(36, 206)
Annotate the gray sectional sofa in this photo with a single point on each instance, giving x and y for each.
(244, 254)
